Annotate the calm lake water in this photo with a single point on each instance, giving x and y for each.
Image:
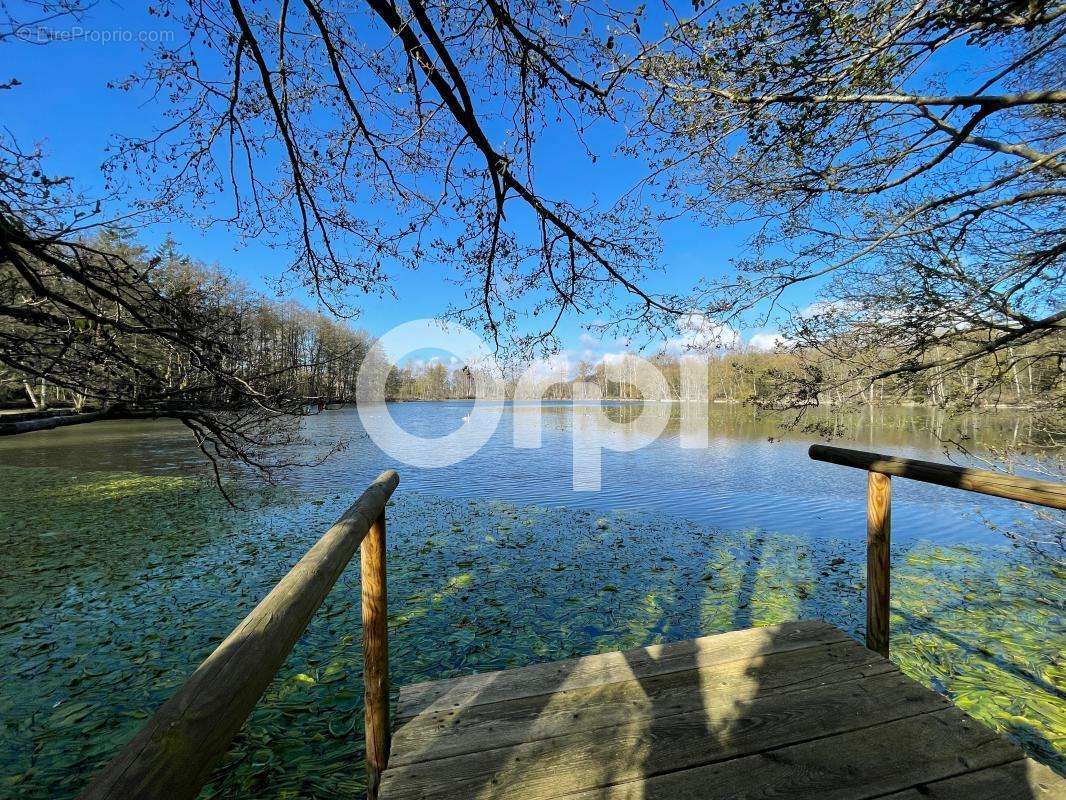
(121, 568)
(755, 473)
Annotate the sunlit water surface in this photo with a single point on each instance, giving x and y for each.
(754, 473)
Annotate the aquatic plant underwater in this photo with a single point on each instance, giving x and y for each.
(116, 585)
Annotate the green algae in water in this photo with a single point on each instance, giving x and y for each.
(988, 634)
(122, 589)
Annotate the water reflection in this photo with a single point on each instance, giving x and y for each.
(753, 472)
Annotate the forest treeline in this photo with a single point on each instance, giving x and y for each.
(148, 333)
(749, 375)
(285, 357)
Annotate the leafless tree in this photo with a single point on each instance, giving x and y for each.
(905, 163)
(382, 131)
(122, 334)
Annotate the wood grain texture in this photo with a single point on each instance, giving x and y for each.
(749, 715)
(997, 484)
(173, 754)
(643, 746)
(878, 561)
(864, 763)
(551, 677)
(375, 609)
(1020, 780)
(441, 734)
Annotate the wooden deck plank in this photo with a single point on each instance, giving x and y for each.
(796, 710)
(857, 765)
(555, 676)
(644, 746)
(1019, 780)
(434, 735)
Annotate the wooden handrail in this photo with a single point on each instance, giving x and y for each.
(172, 756)
(879, 513)
(997, 484)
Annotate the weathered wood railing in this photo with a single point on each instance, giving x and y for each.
(881, 470)
(173, 754)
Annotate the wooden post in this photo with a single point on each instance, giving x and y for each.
(375, 655)
(878, 546)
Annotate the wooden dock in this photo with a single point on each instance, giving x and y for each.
(791, 711)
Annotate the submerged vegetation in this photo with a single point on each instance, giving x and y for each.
(128, 581)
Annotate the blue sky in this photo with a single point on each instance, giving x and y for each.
(65, 104)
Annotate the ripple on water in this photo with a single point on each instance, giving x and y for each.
(754, 473)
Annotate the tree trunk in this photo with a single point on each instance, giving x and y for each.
(29, 393)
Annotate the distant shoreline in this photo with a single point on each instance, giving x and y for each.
(28, 414)
(675, 401)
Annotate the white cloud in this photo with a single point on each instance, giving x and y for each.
(828, 307)
(698, 333)
(556, 367)
(769, 342)
(593, 349)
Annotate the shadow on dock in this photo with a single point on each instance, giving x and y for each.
(797, 710)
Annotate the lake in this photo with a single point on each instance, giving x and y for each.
(122, 568)
(755, 472)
